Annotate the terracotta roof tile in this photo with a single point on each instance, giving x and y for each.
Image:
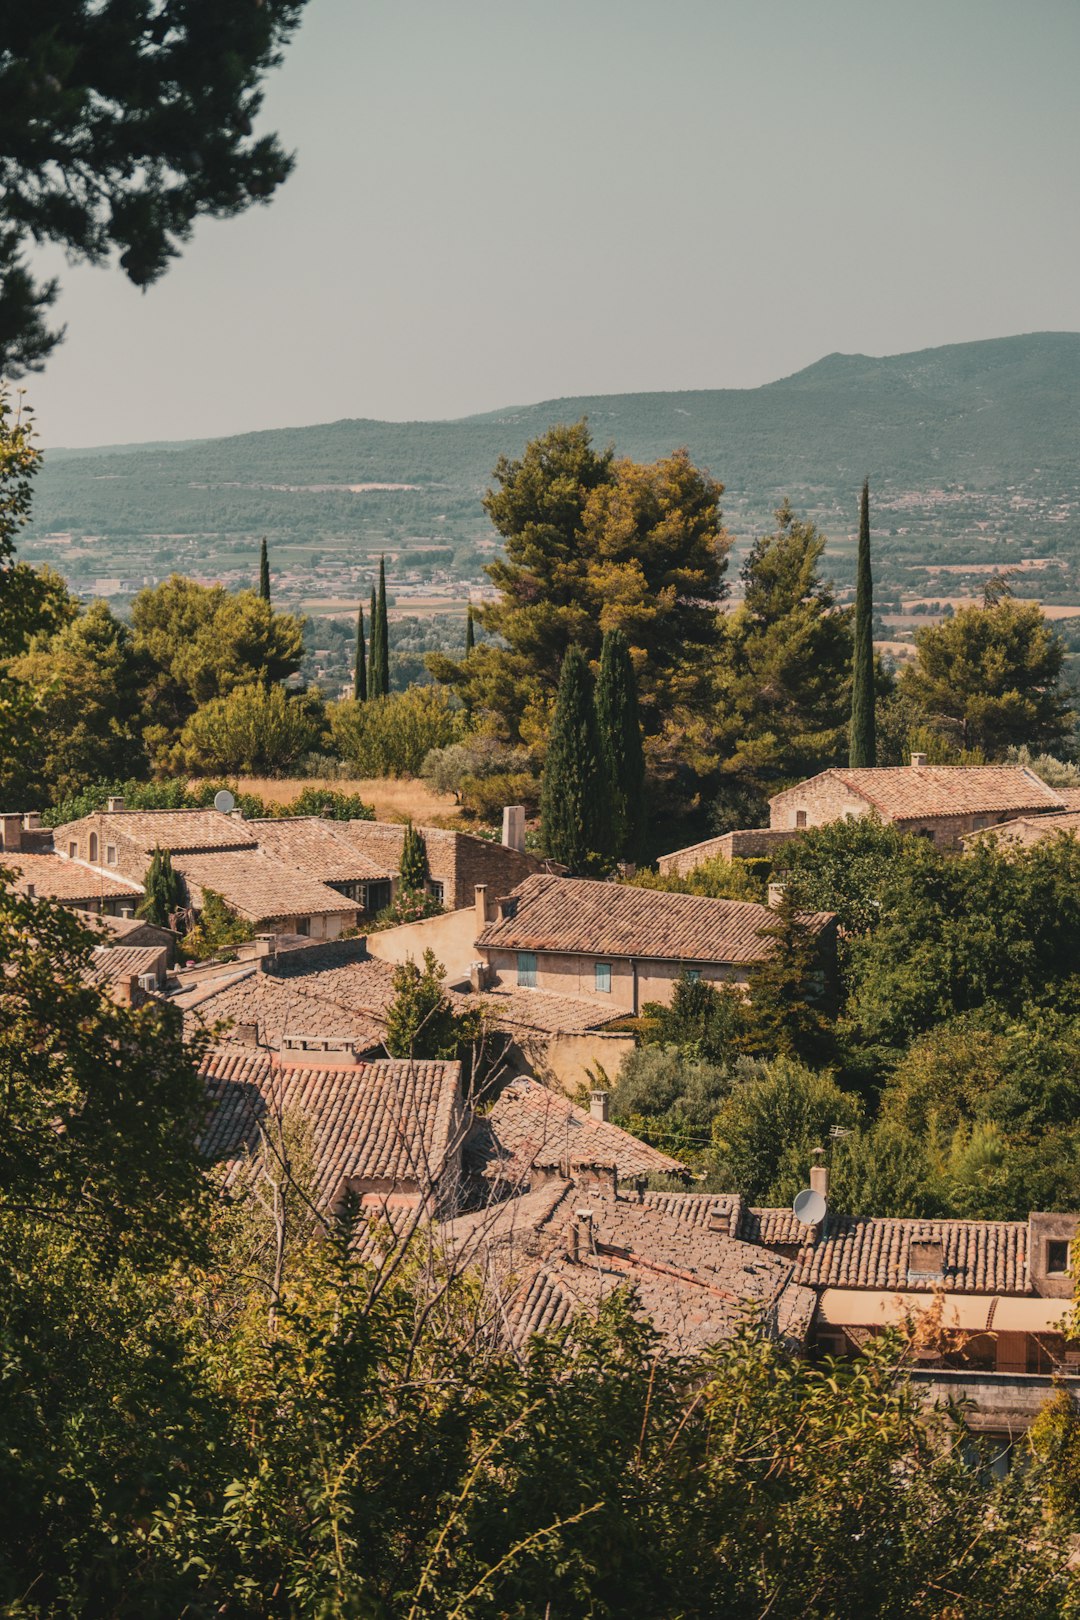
(905, 792)
(278, 1007)
(112, 963)
(54, 877)
(532, 1125)
(176, 829)
(581, 916)
(389, 1121)
(318, 848)
(259, 887)
(545, 1010)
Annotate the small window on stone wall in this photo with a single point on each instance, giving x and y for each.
(602, 977)
(93, 846)
(110, 854)
(800, 818)
(526, 969)
(1057, 1257)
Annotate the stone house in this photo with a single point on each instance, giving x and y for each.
(940, 802)
(1028, 830)
(623, 945)
(457, 861)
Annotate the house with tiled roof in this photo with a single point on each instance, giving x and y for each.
(210, 850)
(390, 1131)
(72, 883)
(940, 802)
(457, 861)
(1024, 831)
(626, 946)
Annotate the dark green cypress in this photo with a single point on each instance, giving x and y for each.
(470, 633)
(360, 665)
(863, 742)
(264, 571)
(373, 636)
(620, 739)
(574, 809)
(413, 873)
(162, 890)
(384, 633)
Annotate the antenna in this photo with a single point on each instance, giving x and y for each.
(809, 1208)
(224, 801)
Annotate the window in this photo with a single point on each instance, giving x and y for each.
(1057, 1256)
(925, 1258)
(73, 850)
(93, 847)
(526, 969)
(303, 925)
(602, 977)
(693, 975)
(800, 818)
(110, 854)
(376, 898)
(436, 890)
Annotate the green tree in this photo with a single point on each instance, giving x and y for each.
(420, 1022)
(843, 866)
(380, 639)
(217, 928)
(863, 745)
(703, 1020)
(373, 673)
(119, 131)
(470, 632)
(620, 741)
(989, 678)
(790, 991)
(779, 709)
(392, 736)
(256, 730)
(766, 1130)
(574, 810)
(163, 891)
(414, 861)
(264, 571)
(714, 877)
(360, 660)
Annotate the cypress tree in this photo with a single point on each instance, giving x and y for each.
(414, 861)
(359, 690)
(373, 629)
(574, 808)
(470, 633)
(620, 739)
(384, 633)
(162, 890)
(264, 571)
(863, 742)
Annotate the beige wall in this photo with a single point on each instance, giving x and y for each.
(567, 1062)
(575, 976)
(452, 936)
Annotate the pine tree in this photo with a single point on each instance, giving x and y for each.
(620, 739)
(790, 993)
(264, 571)
(360, 665)
(373, 636)
(414, 870)
(574, 806)
(863, 745)
(384, 634)
(470, 633)
(163, 892)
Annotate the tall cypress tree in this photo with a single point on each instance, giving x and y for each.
(414, 869)
(360, 666)
(574, 807)
(162, 890)
(470, 633)
(384, 633)
(264, 571)
(620, 739)
(373, 636)
(863, 742)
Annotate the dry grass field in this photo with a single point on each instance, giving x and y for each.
(394, 798)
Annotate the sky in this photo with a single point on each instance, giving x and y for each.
(497, 202)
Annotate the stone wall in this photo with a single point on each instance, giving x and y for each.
(745, 843)
(813, 803)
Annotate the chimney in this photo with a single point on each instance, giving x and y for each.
(481, 907)
(124, 991)
(11, 830)
(114, 803)
(775, 894)
(598, 1105)
(819, 1173)
(265, 951)
(583, 1218)
(918, 761)
(573, 1249)
(514, 827)
(32, 820)
(478, 976)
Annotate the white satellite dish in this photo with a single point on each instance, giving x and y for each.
(224, 801)
(809, 1208)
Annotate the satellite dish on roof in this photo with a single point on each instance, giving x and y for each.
(224, 801)
(809, 1208)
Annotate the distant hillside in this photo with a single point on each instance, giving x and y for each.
(972, 451)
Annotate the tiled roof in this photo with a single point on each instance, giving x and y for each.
(979, 1257)
(905, 792)
(177, 829)
(532, 1125)
(545, 1010)
(282, 1006)
(111, 964)
(1027, 830)
(392, 1121)
(257, 886)
(693, 1286)
(122, 927)
(580, 916)
(318, 848)
(56, 878)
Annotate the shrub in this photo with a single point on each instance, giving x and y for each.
(392, 736)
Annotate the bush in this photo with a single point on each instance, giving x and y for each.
(485, 796)
(716, 878)
(328, 803)
(472, 760)
(392, 736)
(256, 729)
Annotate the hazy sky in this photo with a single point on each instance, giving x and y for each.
(501, 201)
